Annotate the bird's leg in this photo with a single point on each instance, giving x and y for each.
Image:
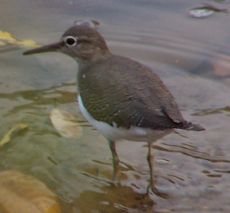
(150, 158)
(152, 183)
(115, 159)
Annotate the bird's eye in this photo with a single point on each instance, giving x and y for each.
(70, 41)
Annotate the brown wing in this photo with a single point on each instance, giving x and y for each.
(123, 92)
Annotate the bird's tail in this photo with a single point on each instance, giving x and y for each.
(192, 127)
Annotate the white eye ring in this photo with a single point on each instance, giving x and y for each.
(70, 41)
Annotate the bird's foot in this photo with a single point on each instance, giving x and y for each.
(115, 183)
(152, 189)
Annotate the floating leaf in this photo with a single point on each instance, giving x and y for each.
(7, 38)
(65, 123)
(12, 132)
(28, 43)
(206, 10)
(24, 193)
(200, 12)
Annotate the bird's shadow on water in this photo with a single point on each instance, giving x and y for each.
(127, 194)
(113, 199)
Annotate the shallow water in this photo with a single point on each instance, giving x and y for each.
(192, 57)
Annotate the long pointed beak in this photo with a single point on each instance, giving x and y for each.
(46, 48)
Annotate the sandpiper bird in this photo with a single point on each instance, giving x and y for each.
(120, 97)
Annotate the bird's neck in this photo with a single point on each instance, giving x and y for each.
(83, 63)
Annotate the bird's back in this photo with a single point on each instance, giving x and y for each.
(125, 93)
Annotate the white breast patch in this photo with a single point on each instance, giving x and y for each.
(113, 132)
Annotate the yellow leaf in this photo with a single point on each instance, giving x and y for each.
(28, 43)
(9, 38)
(65, 123)
(26, 194)
(5, 36)
(14, 130)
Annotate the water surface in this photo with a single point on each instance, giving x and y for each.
(192, 57)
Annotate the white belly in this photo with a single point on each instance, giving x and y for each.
(117, 133)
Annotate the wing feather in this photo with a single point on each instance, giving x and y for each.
(122, 91)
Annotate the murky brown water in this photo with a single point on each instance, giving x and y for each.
(192, 57)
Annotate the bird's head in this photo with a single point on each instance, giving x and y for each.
(81, 41)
